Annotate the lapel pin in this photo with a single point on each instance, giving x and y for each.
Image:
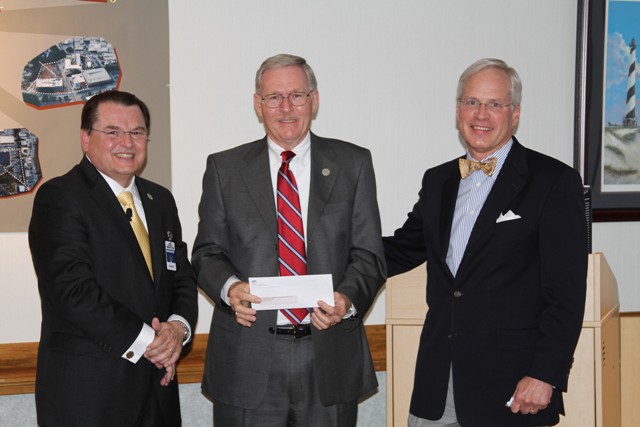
(149, 196)
(326, 172)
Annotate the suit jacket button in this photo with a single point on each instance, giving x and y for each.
(272, 330)
(457, 294)
(129, 354)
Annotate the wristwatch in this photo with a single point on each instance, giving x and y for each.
(185, 327)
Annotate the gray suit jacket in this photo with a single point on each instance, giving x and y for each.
(237, 235)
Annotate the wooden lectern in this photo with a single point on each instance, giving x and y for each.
(593, 397)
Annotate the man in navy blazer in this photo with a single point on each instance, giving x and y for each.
(113, 326)
(506, 253)
(261, 369)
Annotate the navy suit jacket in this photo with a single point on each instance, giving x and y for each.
(516, 304)
(237, 235)
(96, 293)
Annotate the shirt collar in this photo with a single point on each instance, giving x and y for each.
(117, 188)
(301, 150)
(500, 155)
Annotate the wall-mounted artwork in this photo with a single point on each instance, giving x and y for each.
(19, 163)
(69, 72)
(607, 115)
(56, 54)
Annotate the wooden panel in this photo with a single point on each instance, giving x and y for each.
(18, 361)
(580, 400)
(18, 355)
(630, 368)
(376, 335)
(18, 367)
(405, 350)
(608, 374)
(406, 297)
(590, 302)
(600, 299)
(191, 366)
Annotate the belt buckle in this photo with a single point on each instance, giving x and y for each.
(300, 331)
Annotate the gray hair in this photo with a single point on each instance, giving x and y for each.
(285, 60)
(515, 91)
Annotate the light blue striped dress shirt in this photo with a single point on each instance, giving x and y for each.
(472, 193)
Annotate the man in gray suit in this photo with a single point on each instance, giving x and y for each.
(268, 368)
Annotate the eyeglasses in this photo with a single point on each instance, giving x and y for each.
(297, 99)
(136, 135)
(474, 104)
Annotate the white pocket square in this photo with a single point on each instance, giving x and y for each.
(509, 216)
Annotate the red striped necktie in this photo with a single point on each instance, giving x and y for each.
(291, 251)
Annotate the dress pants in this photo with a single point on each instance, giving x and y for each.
(448, 419)
(292, 398)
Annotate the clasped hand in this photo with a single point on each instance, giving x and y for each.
(166, 347)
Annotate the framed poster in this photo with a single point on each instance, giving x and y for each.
(607, 143)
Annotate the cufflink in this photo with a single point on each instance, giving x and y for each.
(129, 354)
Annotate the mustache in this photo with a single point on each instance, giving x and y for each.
(283, 118)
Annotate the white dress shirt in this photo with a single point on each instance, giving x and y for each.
(300, 165)
(147, 333)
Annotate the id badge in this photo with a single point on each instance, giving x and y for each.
(170, 255)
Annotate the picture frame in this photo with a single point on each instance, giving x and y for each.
(605, 126)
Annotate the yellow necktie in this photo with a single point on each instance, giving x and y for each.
(126, 199)
(467, 167)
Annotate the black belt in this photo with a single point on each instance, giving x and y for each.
(296, 332)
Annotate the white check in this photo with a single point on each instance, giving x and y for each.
(291, 291)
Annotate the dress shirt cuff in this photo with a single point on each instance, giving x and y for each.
(182, 321)
(139, 346)
(352, 312)
(224, 293)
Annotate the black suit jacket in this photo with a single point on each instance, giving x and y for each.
(516, 305)
(96, 293)
(237, 235)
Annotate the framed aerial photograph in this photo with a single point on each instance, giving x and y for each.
(56, 54)
(607, 125)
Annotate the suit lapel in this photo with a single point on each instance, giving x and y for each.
(324, 173)
(508, 184)
(103, 196)
(257, 177)
(448, 204)
(108, 203)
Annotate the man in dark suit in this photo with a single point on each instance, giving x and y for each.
(119, 296)
(267, 368)
(506, 253)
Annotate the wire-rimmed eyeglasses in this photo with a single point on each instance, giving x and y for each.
(474, 104)
(297, 99)
(136, 135)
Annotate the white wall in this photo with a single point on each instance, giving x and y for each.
(387, 73)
